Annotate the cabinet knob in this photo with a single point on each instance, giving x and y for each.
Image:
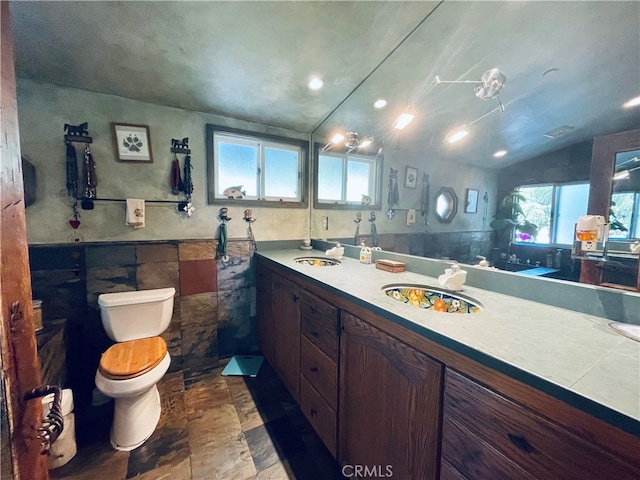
(314, 310)
(520, 442)
(315, 334)
(313, 412)
(314, 369)
(295, 298)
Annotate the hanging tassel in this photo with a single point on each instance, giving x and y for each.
(424, 196)
(188, 182)
(374, 235)
(222, 244)
(90, 177)
(176, 181)
(72, 171)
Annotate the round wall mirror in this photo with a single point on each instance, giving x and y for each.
(446, 204)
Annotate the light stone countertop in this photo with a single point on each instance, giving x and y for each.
(573, 356)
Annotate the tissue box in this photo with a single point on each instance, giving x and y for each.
(391, 266)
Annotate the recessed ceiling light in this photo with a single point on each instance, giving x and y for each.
(456, 135)
(380, 103)
(338, 137)
(315, 83)
(500, 153)
(634, 102)
(403, 120)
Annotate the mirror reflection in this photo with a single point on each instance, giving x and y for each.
(533, 133)
(446, 204)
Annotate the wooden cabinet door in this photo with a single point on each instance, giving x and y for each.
(389, 403)
(264, 306)
(286, 321)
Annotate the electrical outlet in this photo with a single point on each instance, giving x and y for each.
(325, 223)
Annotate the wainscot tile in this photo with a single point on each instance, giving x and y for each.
(110, 255)
(63, 292)
(197, 250)
(235, 273)
(199, 309)
(158, 275)
(155, 253)
(239, 248)
(199, 344)
(108, 280)
(56, 258)
(197, 276)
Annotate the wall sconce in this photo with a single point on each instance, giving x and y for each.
(351, 141)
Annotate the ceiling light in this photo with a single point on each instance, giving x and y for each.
(315, 83)
(338, 137)
(500, 153)
(489, 85)
(456, 135)
(380, 103)
(621, 175)
(365, 142)
(404, 120)
(634, 102)
(350, 141)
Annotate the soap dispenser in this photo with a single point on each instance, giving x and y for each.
(557, 260)
(365, 253)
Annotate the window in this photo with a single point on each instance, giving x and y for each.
(555, 210)
(249, 167)
(347, 181)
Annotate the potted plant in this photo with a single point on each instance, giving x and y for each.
(510, 216)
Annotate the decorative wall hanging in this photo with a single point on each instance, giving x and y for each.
(472, 201)
(424, 199)
(132, 143)
(394, 196)
(411, 177)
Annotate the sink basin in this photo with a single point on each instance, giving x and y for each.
(429, 298)
(317, 261)
(627, 329)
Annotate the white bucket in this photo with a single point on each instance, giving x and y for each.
(64, 448)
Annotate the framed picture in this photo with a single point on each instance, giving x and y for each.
(472, 201)
(411, 177)
(132, 143)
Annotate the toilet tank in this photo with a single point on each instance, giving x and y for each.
(138, 314)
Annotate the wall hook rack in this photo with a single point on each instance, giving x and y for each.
(180, 146)
(77, 133)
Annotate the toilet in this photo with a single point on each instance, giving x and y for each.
(130, 370)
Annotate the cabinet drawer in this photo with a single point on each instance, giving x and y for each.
(319, 322)
(471, 457)
(541, 448)
(319, 414)
(320, 371)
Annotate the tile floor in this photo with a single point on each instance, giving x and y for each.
(212, 428)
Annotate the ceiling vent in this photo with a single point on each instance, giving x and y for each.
(556, 132)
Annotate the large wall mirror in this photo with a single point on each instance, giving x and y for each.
(547, 109)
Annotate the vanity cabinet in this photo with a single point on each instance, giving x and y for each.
(485, 435)
(389, 403)
(318, 366)
(286, 333)
(264, 306)
(381, 395)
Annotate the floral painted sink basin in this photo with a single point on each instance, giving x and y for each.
(432, 299)
(317, 261)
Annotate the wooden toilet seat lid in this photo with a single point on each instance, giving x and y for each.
(133, 358)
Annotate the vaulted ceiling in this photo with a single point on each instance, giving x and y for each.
(252, 60)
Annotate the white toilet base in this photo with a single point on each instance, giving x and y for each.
(135, 419)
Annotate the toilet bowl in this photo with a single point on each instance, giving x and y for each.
(130, 370)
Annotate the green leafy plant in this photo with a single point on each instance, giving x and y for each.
(510, 215)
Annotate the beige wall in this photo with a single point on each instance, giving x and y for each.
(44, 109)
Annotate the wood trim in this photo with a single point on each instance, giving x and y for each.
(608, 437)
(20, 365)
(601, 187)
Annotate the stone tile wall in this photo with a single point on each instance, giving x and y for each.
(214, 307)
